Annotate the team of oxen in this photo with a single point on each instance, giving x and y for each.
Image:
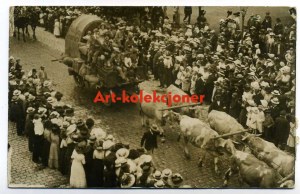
(257, 162)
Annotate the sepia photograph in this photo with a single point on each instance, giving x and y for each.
(152, 97)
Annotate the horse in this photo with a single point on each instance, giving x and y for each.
(33, 20)
(20, 21)
(24, 17)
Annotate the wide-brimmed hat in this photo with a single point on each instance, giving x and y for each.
(50, 100)
(30, 110)
(251, 73)
(71, 129)
(275, 100)
(285, 69)
(16, 92)
(127, 180)
(65, 124)
(275, 92)
(231, 42)
(264, 84)
(123, 152)
(47, 83)
(166, 173)
(255, 85)
(120, 161)
(42, 110)
(177, 179)
(145, 158)
(157, 174)
(159, 184)
(54, 114)
(154, 127)
(30, 98)
(110, 137)
(108, 144)
(92, 139)
(239, 76)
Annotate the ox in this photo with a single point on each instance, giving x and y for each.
(224, 123)
(252, 171)
(199, 112)
(202, 136)
(266, 151)
(173, 90)
(152, 111)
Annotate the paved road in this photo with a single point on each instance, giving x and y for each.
(122, 121)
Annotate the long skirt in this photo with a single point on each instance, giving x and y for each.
(97, 173)
(53, 156)
(62, 161)
(45, 152)
(68, 155)
(37, 148)
(77, 178)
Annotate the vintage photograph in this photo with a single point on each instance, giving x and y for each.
(151, 97)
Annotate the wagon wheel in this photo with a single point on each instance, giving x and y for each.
(79, 81)
(105, 93)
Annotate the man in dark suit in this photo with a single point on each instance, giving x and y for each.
(217, 104)
(282, 130)
(149, 139)
(200, 86)
(187, 14)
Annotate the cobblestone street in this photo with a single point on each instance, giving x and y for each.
(122, 120)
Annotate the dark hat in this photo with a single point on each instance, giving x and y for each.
(69, 112)
(133, 154)
(80, 123)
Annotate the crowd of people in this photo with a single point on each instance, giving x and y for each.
(86, 154)
(57, 19)
(248, 72)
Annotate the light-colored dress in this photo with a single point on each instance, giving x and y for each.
(54, 151)
(77, 178)
(291, 139)
(56, 28)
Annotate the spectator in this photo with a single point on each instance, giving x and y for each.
(187, 14)
(282, 130)
(149, 139)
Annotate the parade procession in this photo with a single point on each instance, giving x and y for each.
(241, 62)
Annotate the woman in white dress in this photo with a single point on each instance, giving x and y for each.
(56, 28)
(77, 178)
(292, 136)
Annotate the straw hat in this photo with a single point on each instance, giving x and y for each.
(30, 110)
(71, 129)
(42, 110)
(275, 92)
(107, 144)
(177, 179)
(159, 184)
(123, 152)
(275, 100)
(166, 173)
(146, 158)
(157, 175)
(127, 180)
(16, 92)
